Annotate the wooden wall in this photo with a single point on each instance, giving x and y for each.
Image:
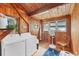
(12, 12)
(33, 30)
(75, 29)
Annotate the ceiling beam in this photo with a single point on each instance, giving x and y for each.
(21, 16)
(21, 8)
(57, 18)
(45, 8)
(19, 13)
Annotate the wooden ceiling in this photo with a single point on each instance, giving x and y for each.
(55, 12)
(41, 10)
(32, 8)
(35, 8)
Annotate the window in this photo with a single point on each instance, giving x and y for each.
(7, 23)
(46, 27)
(52, 28)
(3, 23)
(61, 26)
(55, 26)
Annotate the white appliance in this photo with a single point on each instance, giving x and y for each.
(19, 45)
(31, 43)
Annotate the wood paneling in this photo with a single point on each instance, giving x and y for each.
(45, 36)
(41, 30)
(60, 37)
(57, 11)
(68, 32)
(32, 24)
(3, 33)
(34, 8)
(62, 41)
(10, 11)
(24, 17)
(75, 29)
(68, 25)
(56, 18)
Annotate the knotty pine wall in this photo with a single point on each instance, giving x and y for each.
(75, 29)
(33, 30)
(12, 12)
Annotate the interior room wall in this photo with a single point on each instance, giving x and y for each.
(23, 26)
(34, 27)
(75, 29)
(12, 12)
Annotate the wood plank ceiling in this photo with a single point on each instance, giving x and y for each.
(58, 11)
(32, 8)
(41, 10)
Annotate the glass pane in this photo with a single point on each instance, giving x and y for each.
(53, 28)
(62, 29)
(46, 27)
(52, 23)
(11, 23)
(61, 25)
(3, 23)
(7, 23)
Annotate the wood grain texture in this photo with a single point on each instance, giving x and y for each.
(32, 24)
(35, 8)
(3, 33)
(62, 41)
(75, 29)
(8, 10)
